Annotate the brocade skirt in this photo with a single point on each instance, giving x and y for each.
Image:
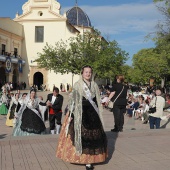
(94, 140)
(30, 124)
(10, 116)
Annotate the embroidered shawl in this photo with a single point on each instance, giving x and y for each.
(75, 107)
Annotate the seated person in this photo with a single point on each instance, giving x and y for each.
(145, 116)
(133, 107)
(130, 99)
(167, 103)
(140, 109)
(105, 97)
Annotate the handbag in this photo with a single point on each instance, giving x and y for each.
(153, 109)
(112, 103)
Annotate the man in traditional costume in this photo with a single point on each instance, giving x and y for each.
(55, 103)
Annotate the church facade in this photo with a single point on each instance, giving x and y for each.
(24, 37)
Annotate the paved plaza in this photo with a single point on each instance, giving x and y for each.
(137, 149)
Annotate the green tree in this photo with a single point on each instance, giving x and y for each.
(154, 62)
(164, 25)
(106, 58)
(149, 63)
(126, 71)
(162, 38)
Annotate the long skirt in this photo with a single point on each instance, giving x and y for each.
(29, 124)
(3, 109)
(94, 141)
(10, 116)
(9, 122)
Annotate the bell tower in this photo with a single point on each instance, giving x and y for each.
(53, 5)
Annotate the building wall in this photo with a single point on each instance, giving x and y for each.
(56, 80)
(21, 33)
(11, 26)
(11, 36)
(56, 29)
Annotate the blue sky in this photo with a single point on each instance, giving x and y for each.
(126, 21)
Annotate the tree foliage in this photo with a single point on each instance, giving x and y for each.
(106, 58)
(126, 71)
(149, 63)
(154, 62)
(163, 26)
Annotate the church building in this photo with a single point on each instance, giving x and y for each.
(22, 38)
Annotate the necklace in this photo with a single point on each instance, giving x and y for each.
(88, 84)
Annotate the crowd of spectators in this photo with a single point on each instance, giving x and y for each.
(15, 55)
(139, 101)
(9, 86)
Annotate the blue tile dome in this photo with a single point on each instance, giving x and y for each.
(76, 16)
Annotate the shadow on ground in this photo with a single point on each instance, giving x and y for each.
(3, 136)
(112, 137)
(165, 124)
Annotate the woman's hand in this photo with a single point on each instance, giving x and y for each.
(48, 103)
(107, 102)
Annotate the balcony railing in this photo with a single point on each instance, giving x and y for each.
(14, 59)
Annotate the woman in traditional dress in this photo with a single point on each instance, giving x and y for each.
(9, 97)
(82, 139)
(3, 107)
(29, 120)
(12, 111)
(3, 88)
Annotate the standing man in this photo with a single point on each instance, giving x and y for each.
(55, 102)
(61, 87)
(25, 85)
(67, 87)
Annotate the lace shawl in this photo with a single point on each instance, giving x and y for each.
(13, 101)
(75, 107)
(4, 99)
(24, 103)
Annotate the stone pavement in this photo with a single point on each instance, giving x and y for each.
(141, 149)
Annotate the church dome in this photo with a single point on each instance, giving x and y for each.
(76, 16)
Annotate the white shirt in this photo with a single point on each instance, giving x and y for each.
(11, 86)
(53, 99)
(160, 104)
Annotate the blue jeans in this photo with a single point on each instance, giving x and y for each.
(154, 121)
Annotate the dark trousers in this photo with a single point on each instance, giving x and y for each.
(146, 116)
(154, 121)
(118, 113)
(55, 117)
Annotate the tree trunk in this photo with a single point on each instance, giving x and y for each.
(163, 82)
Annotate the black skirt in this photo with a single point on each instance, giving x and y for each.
(12, 112)
(31, 122)
(94, 140)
